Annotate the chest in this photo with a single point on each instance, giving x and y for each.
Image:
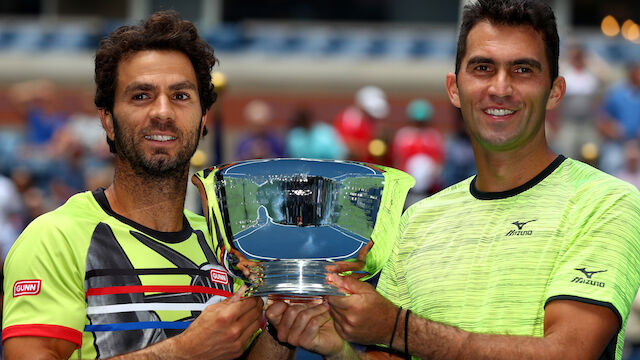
(484, 263)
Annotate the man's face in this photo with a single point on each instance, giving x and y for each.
(503, 87)
(157, 119)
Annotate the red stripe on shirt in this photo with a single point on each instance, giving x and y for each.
(45, 330)
(156, 288)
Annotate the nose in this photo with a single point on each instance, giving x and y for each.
(162, 108)
(501, 85)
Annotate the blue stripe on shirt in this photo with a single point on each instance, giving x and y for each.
(139, 325)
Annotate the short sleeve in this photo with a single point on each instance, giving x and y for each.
(600, 263)
(44, 283)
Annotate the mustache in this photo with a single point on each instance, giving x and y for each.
(162, 126)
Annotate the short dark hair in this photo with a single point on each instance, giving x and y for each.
(534, 13)
(163, 30)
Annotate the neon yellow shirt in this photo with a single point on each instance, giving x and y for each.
(490, 262)
(92, 277)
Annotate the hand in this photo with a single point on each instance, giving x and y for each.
(244, 264)
(223, 330)
(307, 325)
(355, 265)
(364, 316)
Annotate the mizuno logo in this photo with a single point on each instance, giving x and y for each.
(26, 287)
(520, 225)
(589, 274)
(520, 231)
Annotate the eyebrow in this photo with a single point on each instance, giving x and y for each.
(523, 61)
(138, 86)
(183, 85)
(141, 86)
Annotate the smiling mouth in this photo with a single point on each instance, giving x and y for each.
(160, 137)
(499, 112)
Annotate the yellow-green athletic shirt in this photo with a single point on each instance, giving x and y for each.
(85, 274)
(490, 262)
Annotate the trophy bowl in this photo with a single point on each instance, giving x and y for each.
(278, 223)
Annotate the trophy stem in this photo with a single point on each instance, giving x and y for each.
(299, 279)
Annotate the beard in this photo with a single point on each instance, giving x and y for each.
(158, 164)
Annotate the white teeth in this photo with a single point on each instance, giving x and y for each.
(499, 112)
(159, 137)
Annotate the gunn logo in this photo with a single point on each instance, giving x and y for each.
(26, 287)
(219, 276)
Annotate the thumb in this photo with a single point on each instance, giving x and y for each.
(238, 295)
(347, 284)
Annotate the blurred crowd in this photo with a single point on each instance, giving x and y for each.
(57, 153)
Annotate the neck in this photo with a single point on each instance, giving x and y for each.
(503, 171)
(155, 202)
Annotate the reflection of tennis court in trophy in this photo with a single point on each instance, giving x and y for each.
(268, 240)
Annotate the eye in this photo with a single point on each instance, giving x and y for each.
(140, 96)
(181, 96)
(523, 70)
(482, 67)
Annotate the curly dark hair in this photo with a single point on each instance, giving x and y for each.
(163, 30)
(534, 13)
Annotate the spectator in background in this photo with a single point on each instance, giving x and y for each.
(630, 172)
(40, 106)
(259, 142)
(80, 152)
(357, 123)
(419, 149)
(459, 163)
(312, 139)
(621, 120)
(11, 215)
(576, 125)
(34, 199)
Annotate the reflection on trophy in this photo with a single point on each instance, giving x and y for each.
(278, 223)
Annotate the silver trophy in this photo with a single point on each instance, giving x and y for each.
(278, 223)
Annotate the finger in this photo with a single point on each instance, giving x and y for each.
(246, 307)
(362, 254)
(337, 315)
(275, 311)
(239, 294)
(247, 317)
(247, 334)
(344, 266)
(348, 284)
(305, 319)
(339, 328)
(308, 338)
(288, 319)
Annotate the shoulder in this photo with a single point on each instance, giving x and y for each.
(78, 216)
(454, 193)
(80, 209)
(197, 222)
(441, 204)
(586, 182)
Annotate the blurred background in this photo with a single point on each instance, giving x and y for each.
(347, 79)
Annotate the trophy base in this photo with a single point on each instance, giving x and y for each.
(292, 279)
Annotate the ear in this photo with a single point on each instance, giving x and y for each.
(203, 123)
(106, 118)
(558, 89)
(452, 89)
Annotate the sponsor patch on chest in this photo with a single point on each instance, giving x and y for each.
(219, 276)
(26, 287)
